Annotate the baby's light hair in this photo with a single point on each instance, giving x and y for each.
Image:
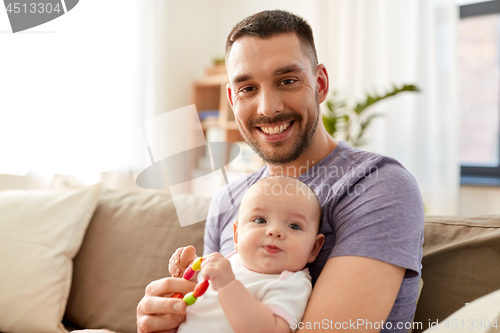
(297, 182)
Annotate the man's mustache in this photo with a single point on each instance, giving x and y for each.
(282, 117)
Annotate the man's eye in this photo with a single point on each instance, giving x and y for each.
(247, 89)
(259, 220)
(295, 226)
(287, 82)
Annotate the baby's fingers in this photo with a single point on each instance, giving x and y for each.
(187, 256)
(173, 264)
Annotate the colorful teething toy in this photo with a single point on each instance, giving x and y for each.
(200, 288)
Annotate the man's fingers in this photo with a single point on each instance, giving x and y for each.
(161, 305)
(165, 323)
(92, 331)
(167, 286)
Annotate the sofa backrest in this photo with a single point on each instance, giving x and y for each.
(127, 245)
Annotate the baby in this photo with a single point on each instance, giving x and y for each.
(263, 285)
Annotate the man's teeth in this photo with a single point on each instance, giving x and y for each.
(275, 130)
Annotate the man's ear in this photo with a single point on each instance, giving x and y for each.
(322, 83)
(229, 95)
(318, 243)
(235, 235)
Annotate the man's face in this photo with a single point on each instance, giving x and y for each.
(273, 92)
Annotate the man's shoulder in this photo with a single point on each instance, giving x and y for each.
(349, 170)
(347, 164)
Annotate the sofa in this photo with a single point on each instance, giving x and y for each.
(122, 240)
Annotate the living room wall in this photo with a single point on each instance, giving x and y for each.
(479, 200)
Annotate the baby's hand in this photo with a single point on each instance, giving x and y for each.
(180, 260)
(217, 269)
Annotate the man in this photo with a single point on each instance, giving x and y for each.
(366, 276)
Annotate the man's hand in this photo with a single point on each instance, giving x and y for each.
(180, 260)
(158, 313)
(217, 269)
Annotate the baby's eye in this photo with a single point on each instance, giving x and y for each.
(259, 220)
(295, 226)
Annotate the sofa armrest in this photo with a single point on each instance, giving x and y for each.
(461, 259)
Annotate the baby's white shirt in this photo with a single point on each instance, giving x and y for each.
(285, 294)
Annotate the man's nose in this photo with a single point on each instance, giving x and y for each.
(275, 232)
(270, 102)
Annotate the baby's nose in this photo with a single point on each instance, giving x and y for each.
(274, 232)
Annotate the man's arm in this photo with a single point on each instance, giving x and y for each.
(351, 289)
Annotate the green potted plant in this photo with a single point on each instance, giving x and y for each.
(350, 123)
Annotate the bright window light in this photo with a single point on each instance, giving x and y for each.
(71, 90)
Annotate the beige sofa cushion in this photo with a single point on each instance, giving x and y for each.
(461, 263)
(40, 233)
(128, 244)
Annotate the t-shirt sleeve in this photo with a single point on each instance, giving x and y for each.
(218, 226)
(288, 296)
(381, 216)
(211, 238)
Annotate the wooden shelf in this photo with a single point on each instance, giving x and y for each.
(231, 125)
(209, 94)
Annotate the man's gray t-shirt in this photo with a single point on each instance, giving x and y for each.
(372, 207)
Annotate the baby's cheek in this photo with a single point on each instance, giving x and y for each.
(304, 259)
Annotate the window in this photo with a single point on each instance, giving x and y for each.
(479, 94)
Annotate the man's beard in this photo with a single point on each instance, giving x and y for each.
(301, 141)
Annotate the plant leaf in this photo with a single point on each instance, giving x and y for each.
(360, 107)
(363, 125)
(329, 104)
(330, 125)
(351, 122)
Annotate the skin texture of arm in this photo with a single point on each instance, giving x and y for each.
(243, 311)
(352, 288)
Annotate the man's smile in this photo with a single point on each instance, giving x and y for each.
(277, 131)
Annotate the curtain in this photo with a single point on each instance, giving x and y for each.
(71, 90)
(369, 45)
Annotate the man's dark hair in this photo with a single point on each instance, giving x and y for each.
(269, 23)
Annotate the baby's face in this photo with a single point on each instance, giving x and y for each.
(278, 230)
